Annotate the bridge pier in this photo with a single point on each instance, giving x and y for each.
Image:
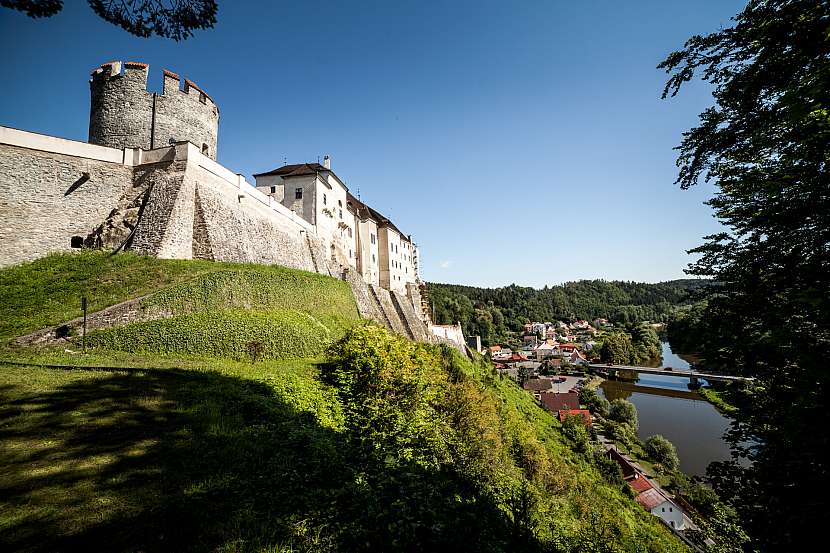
(693, 381)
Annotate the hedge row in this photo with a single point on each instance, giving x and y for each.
(230, 334)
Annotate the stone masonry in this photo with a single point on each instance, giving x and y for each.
(148, 182)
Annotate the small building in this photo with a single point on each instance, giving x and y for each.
(560, 402)
(538, 385)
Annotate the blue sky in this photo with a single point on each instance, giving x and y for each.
(517, 142)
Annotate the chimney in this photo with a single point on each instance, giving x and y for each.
(327, 162)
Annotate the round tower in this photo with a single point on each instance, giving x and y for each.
(123, 114)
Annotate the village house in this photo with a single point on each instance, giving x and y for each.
(649, 496)
(560, 402)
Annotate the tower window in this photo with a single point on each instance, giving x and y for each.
(298, 193)
(341, 213)
(273, 190)
(373, 238)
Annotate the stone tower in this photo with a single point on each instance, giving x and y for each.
(123, 114)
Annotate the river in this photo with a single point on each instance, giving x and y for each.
(667, 406)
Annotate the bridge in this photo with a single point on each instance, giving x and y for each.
(693, 376)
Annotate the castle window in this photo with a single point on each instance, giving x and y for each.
(202, 98)
(324, 199)
(373, 258)
(373, 238)
(204, 148)
(341, 213)
(339, 203)
(76, 242)
(273, 190)
(350, 232)
(298, 193)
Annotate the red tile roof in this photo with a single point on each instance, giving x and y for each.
(650, 499)
(560, 402)
(584, 413)
(538, 384)
(295, 169)
(640, 483)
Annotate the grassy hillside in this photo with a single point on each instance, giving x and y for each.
(160, 440)
(219, 308)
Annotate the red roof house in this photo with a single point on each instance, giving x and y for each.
(560, 402)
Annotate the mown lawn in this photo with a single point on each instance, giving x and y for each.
(162, 460)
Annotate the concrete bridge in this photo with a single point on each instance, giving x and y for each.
(693, 376)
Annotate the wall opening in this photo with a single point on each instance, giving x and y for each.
(76, 242)
(205, 149)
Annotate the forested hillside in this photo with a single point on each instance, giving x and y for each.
(493, 312)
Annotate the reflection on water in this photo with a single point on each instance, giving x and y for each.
(666, 406)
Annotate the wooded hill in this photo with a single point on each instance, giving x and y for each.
(493, 312)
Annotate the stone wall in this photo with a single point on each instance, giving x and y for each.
(123, 114)
(47, 198)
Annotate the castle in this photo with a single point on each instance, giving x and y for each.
(148, 181)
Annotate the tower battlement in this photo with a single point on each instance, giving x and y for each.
(124, 114)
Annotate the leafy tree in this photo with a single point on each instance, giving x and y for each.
(594, 402)
(623, 412)
(574, 428)
(663, 451)
(176, 19)
(617, 348)
(623, 433)
(765, 144)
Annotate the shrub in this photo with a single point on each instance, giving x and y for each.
(662, 451)
(623, 411)
(594, 402)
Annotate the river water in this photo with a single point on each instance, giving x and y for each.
(667, 406)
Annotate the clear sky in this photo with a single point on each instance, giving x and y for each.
(517, 141)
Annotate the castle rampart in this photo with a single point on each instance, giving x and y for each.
(124, 114)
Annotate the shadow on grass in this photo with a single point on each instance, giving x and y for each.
(179, 460)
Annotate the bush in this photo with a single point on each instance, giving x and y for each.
(574, 428)
(662, 451)
(623, 433)
(623, 411)
(597, 404)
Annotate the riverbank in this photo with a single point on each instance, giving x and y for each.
(718, 402)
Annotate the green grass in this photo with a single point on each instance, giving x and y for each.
(163, 437)
(48, 291)
(717, 399)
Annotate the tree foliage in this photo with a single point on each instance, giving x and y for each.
(623, 412)
(493, 313)
(663, 451)
(765, 144)
(176, 19)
